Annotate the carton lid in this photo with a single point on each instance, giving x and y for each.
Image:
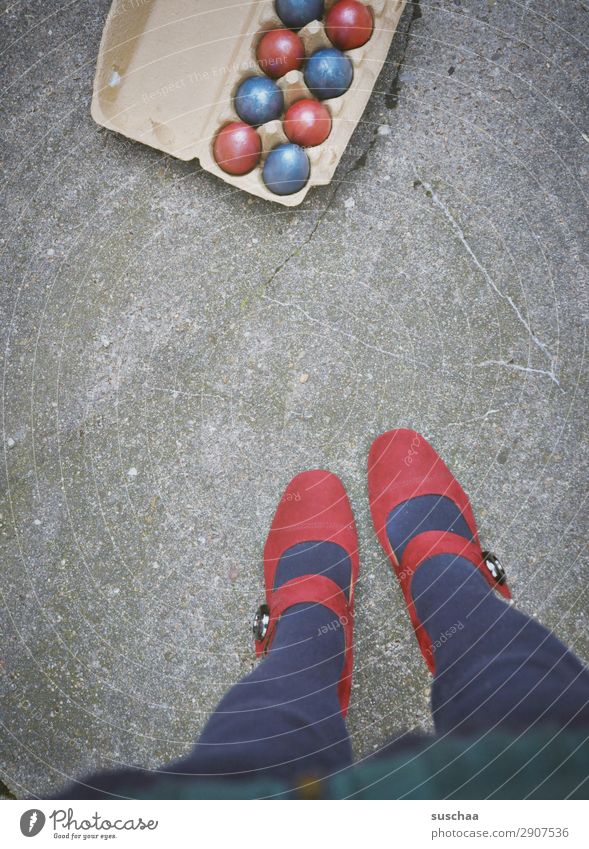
(163, 65)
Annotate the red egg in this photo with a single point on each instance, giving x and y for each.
(307, 123)
(237, 148)
(349, 24)
(279, 52)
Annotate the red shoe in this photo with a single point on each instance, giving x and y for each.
(313, 508)
(403, 465)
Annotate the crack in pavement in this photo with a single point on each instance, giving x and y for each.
(460, 234)
(265, 286)
(391, 96)
(333, 327)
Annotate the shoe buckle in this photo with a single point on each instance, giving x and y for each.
(494, 566)
(261, 622)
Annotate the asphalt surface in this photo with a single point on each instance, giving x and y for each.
(175, 350)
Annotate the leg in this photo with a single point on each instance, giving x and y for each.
(286, 719)
(495, 667)
(283, 719)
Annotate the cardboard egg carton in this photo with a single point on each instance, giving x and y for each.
(168, 71)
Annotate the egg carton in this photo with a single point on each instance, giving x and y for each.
(168, 71)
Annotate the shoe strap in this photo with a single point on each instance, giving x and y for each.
(306, 589)
(431, 543)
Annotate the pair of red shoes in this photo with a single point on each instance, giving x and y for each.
(315, 508)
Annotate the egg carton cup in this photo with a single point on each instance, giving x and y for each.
(168, 71)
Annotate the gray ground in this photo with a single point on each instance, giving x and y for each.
(156, 326)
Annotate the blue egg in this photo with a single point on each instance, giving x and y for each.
(328, 73)
(296, 13)
(286, 169)
(259, 99)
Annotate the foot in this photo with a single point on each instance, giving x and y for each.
(311, 557)
(419, 511)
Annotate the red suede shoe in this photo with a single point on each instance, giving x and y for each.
(313, 508)
(403, 465)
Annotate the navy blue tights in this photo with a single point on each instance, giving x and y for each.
(495, 667)
(284, 718)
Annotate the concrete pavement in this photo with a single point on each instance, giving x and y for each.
(158, 331)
